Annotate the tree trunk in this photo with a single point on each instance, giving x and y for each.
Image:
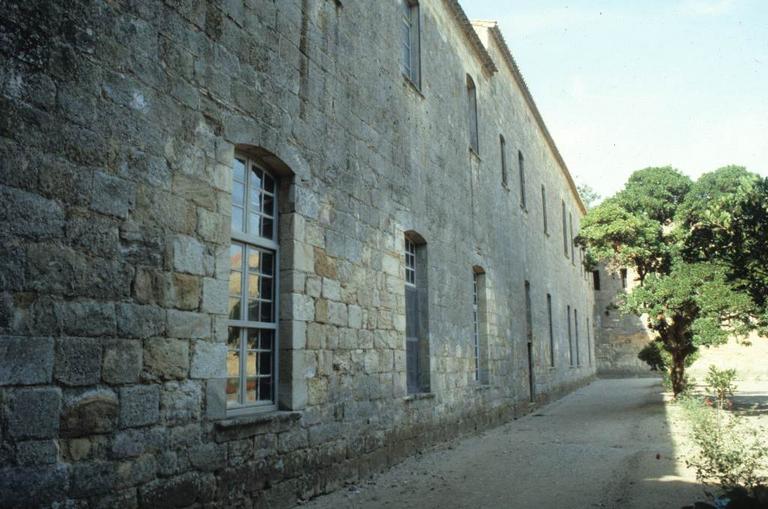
(677, 373)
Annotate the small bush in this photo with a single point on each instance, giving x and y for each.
(720, 382)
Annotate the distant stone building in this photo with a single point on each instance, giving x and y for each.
(619, 337)
(251, 249)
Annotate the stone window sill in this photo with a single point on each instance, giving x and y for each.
(419, 396)
(255, 424)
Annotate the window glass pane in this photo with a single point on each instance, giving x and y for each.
(255, 197)
(235, 281)
(237, 219)
(253, 339)
(255, 182)
(266, 228)
(253, 286)
(251, 385)
(253, 259)
(253, 310)
(233, 390)
(265, 363)
(238, 193)
(252, 364)
(267, 263)
(235, 308)
(236, 257)
(254, 223)
(233, 365)
(269, 205)
(266, 288)
(267, 336)
(265, 389)
(266, 312)
(269, 183)
(238, 170)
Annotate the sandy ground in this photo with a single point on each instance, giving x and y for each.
(606, 445)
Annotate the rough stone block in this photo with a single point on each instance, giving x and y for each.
(215, 399)
(215, 296)
(33, 486)
(209, 360)
(208, 457)
(212, 227)
(355, 316)
(331, 289)
(33, 413)
(181, 491)
(88, 318)
(139, 405)
(92, 479)
(78, 361)
(12, 261)
(29, 215)
(188, 325)
(112, 195)
(166, 359)
(37, 452)
(122, 362)
(93, 234)
(188, 255)
(25, 360)
(185, 292)
(337, 313)
(135, 472)
(89, 413)
(180, 402)
(136, 321)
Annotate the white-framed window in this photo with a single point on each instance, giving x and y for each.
(252, 342)
(410, 41)
(570, 335)
(576, 330)
(474, 137)
(410, 262)
(551, 332)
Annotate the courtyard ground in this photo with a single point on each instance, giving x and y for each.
(606, 445)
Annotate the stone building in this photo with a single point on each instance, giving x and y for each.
(250, 249)
(618, 337)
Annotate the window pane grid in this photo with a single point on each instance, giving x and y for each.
(410, 262)
(251, 346)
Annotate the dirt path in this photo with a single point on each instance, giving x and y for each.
(606, 445)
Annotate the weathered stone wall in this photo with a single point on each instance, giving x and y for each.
(118, 128)
(620, 337)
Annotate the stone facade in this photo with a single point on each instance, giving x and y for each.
(120, 121)
(620, 337)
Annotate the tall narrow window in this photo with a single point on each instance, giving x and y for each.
(596, 280)
(252, 340)
(576, 330)
(474, 141)
(570, 335)
(570, 222)
(416, 343)
(589, 344)
(479, 325)
(544, 208)
(551, 332)
(521, 169)
(529, 334)
(565, 230)
(623, 278)
(411, 60)
(503, 146)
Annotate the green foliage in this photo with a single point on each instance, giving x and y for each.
(588, 195)
(725, 218)
(730, 452)
(655, 192)
(612, 234)
(665, 228)
(654, 355)
(721, 383)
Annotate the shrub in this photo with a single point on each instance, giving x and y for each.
(720, 382)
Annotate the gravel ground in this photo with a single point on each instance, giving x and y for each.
(607, 445)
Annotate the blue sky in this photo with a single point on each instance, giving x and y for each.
(627, 84)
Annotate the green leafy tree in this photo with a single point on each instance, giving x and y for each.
(725, 218)
(687, 302)
(588, 195)
(655, 192)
